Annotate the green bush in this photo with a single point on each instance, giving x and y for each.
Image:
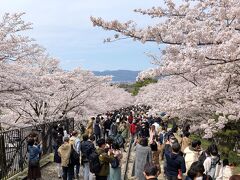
(234, 158)
(137, 86)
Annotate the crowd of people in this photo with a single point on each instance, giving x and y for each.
(160, 151)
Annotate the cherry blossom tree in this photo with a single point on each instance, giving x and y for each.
(202, 57)
(34, 89)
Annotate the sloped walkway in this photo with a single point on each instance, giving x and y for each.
(49, 172)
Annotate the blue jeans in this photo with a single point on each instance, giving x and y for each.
(68, 173)
(86, 171)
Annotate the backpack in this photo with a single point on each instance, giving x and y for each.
(212, 171)
(87, 148)
(94, 162)
(119, 140)
(115, 163)
(74, 157)
(202, 157)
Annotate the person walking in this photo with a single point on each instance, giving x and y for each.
(175, 163)
(133, 130)
(57, 159)
(151, 171)
(87, 147)
(75, 143)
(143, 156)
(106, 126)
(34, 153)
(113, 128)
(186, 141)
(97, 129)
(192, 153)
(226, 171)
(155, 154)
(89, 129)
(104, 159)
(64, 152)
(153, 134)
(196, 171)
(115, 172)
(213, 164)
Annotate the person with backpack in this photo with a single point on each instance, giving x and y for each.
(115, 165)
(118, 139)
(75, 152)
(212, 164)
(87, 147)
(99, 161)
(64, 152)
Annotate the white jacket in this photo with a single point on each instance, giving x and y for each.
(207, 167)
(225, 173)
(191, 156)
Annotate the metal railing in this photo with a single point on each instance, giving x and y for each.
(13, 145)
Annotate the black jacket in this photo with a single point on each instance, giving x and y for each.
(174, 163)
(97, 129)
(87, 147)
(107, 124)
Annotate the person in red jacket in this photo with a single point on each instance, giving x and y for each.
(133, 130)
(130, 119)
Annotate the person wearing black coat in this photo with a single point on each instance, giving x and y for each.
(175, 163)
(144, 131)
(87, 147)
(57, 134)
(97, 130)
(107, 126)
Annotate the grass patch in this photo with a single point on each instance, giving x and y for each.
(236, 170)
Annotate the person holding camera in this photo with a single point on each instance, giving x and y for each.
(34, 154)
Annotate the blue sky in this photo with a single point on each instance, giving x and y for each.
(64, 28)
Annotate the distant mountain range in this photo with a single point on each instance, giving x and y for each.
(122, 76)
